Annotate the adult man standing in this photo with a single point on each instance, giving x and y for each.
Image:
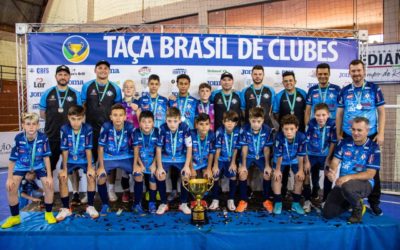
(258, 95)
(362, 99)
(360, 160)
(54, 105)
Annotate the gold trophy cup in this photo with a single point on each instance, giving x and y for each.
(75, 47)
(198, 187)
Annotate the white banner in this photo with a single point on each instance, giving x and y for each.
(6, 144)
(384, 63)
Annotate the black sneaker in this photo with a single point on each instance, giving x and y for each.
(376, 210)
(75, 200)
(357, 214)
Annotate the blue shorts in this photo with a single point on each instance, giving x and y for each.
(39, 173)
(71, 167)
(224, 170)
(260, 163)
(152, 178)
(294, 167)
(124, 164)
(317, 162)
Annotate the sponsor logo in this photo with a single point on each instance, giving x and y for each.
(5, 148)
(347, 153)
(42, 71)
(213, 83)
(216, 71)
(39, 83)
(144, 71)
(114, 71)
(76, 82)
(179, 71)
(35, 94)
(75, 49)
(74, 72)
(35, 106)
(245, 72)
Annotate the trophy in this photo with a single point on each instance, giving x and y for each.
(198, 187)
(75, 47)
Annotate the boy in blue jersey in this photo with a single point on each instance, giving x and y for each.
(205, 104)
(321, 140)
(174, 150)
(227, 146)
(29, 190)
(256, 140)
(289, 152)
(145, 143)
(359, 159)
(115, 151)
(323, 92)
(30, 152)
(154, 102)
(76, 147)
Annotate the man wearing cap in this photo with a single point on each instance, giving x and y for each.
(225, 99)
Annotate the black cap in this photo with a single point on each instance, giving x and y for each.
(226, 74)
(63, 68)
(103, 62)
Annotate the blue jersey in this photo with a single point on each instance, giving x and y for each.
(256, 142)
(289, 151)
(357, 158)
(227, 142)
(147, 146)
(159, 104)
(327, 95)
(188, 112)
(117, 144)
(22, 151)
(370, 97)
(76, 148)
(202, 148)
(174, 145)
(319, 139)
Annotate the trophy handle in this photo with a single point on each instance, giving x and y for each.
(210, 183)
(185, 184)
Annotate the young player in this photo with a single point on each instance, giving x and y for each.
(289, 152)
(321, 140)
(31, 152)
(145, 143)
(256, 141)
(29, 190)
(205, 105)
(227, 146)
(174, 150)
(129, 102)
(76, 146)
(115, 151)
(154, 102)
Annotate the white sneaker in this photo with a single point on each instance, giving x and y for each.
(173, 195)
(162, 209)
(231, 205)
(322, 204)
(112, 196)
(307, 206)
(84, 199)
(92, 212)
(184, 208)
(214, 205)
(64, 213)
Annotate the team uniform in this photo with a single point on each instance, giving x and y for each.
(188, 107)
(223, 103)
(328, 95)
(56, 103)
(130, 113)
(158, 106)
(289, 151)
(207, 108)
(98, 99)
(263, 97)
(294, 104)
(29, 188)
(202, 149)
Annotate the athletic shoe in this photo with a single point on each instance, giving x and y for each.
(126, 196)
(84, 199)
(173, 195)
(376, 210)
(241, 207)
(162, 209)
(297, 208)
(92, 212)
(112, 196)
(277, 208)
(137, 209)
(307, 206)
(11, 221)
(357, 214)
(214, 205)
(184, 208)
(49, 217)
(152, 207)
(75, 200)
(231, 205)
(64, 213)
(267, 204)
(105, 209)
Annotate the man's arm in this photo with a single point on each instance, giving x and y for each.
(339, 123)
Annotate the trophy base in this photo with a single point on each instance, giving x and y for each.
(199, 218)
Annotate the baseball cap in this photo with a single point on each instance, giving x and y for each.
(226, 74)
(103, 62)
(63, 68)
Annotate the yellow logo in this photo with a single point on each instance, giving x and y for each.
(76, 49)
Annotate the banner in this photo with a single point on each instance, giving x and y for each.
(203, 57)
(6, 144)
(384, 63)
